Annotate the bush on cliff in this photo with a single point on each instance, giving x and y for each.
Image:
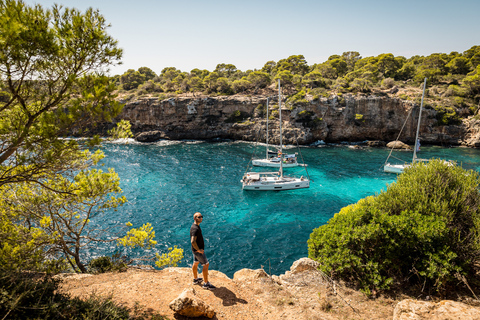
(31, 296)
(424, 229)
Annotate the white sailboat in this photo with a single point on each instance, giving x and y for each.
(272, 159)
(266, 181)
(398, 168)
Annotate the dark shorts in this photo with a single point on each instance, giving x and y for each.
(200, 257)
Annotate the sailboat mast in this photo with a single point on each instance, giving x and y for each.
(280, 118)
(266, 151)
(419, 119)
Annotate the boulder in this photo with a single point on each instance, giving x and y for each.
(376, 143)
(249, 275)
(187, 304)
(444, 310)
(398, 145)
(304, 264)
(150, 136)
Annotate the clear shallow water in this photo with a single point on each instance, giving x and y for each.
(166, 183)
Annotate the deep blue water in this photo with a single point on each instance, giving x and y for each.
(166, 183)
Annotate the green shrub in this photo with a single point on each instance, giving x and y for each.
(260, 110)
(28, 296)
(424, 229)
(388, 83)
(308, 118)
(237, 116)
(107, 264)
(447, 116)
(459, 101)
(298, 98)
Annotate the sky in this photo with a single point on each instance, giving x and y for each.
(189, 34)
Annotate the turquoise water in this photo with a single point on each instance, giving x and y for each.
(166, 183)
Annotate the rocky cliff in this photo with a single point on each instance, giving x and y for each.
(335, 119)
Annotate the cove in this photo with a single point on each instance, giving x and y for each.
(167, 182)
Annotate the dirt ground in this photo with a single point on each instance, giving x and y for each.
(300, 296)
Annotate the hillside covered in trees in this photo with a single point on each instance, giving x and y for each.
(453, 79)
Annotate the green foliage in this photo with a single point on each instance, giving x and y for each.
(458, 65)
(107, 264)
(28, 296)
(308, 118)
(139, 237)
(295, 64)
(388, 83)
(223, 86)
(285, 77)
(344, 73)
(298, 98)
(314, 79)
(58, 213)
(132, 79)
(447, 116)
(67, 49)
(260, 111)
(237, 116)
(147, 73)
(258, 79)
(149, 87)
(121, 131)
(472, 81)
(241, 85)
(225, 70)
(170, 259)
(424, 229)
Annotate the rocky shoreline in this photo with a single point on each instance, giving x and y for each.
(303, 292)
(335, 119)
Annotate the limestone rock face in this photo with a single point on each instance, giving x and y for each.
(444, 310)
(472, 135)
(187, 304)
(334, 119)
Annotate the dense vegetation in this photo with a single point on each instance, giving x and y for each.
(453, 79)
(422, 233)
(26, 296)
(51, 84)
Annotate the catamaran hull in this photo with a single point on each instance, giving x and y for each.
(272, 164)
(278, 185)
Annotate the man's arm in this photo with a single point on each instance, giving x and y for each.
(193, 240)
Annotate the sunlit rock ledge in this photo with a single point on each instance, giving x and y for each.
(335, 119)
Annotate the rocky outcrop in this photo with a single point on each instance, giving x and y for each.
(187, 304)
(346, 118)
(248, 275)
(444, 310)
(472, 135)
(398, 145)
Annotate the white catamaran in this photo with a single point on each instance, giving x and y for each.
(265, 181)
(398, 168)
(272, 159)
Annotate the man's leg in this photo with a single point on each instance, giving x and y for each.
(195, 269)
(205, 273)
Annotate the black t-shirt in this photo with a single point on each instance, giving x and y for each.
(195, 231)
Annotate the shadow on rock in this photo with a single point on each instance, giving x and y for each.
(180, 317)
(228, 297)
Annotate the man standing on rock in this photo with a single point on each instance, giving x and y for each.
(198, 246)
